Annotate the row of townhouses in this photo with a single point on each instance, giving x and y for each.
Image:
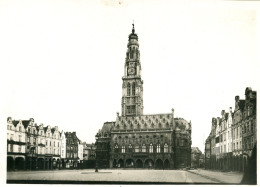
(233, 135)
(31, 146)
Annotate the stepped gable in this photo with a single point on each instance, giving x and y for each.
(154, 121)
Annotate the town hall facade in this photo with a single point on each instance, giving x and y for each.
(136, 140)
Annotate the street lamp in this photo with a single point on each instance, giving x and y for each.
(96, 168)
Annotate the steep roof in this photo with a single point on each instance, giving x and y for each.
(155, 121)
(195, 150)
(26, 123)
(15, 122)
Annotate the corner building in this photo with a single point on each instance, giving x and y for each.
(136, 140)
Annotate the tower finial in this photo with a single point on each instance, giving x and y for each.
(133, 29)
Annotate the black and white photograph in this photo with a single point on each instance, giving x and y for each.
(123, 92)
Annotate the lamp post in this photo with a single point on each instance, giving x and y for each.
(96, 168)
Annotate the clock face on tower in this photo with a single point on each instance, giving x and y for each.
(131, 71)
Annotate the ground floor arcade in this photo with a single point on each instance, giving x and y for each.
(23, 162)
(141, 163)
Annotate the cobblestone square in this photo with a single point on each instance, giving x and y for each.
(124, 176)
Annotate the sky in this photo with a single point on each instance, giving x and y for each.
(63, 61)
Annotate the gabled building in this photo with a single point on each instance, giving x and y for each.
(249, 124)
(72, 158)
(195, 157)
(56, 147)
(80, 153)
(16, 144)
(63, 149)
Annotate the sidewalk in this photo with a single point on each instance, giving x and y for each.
(218, 176)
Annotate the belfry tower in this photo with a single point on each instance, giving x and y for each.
(132, 91)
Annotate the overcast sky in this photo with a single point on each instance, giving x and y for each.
(64, 60)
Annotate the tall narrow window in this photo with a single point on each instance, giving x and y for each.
(20, 138)
(166, 148)
(128, 89)
(133, 88)
(133, 110)
(143, 148)
(137, 148)
(123, 148)
(116, 149)
(130, 148)
(151, 148)
(131, 53)
(20, 128)
(158, 148)
(19, 148)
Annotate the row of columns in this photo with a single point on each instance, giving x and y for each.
(238, 163)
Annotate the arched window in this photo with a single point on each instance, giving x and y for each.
(143, 148)
(137, 148)
(133, 88)
(20, 128)
(128, 89)
(158, 148)
(131, 53)
(123, 148)
(166, 148)
(151, 148)
(130, 148)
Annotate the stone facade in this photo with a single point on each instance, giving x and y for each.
(136, 140)
(233, 136)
